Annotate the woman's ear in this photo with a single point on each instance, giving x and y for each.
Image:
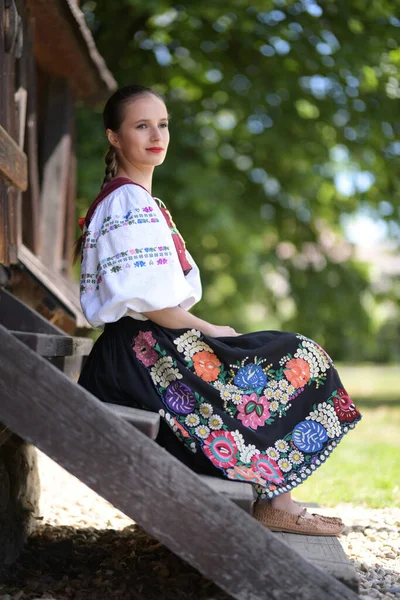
(112, 138)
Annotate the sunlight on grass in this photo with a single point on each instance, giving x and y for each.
(371, 382)
(364, 468)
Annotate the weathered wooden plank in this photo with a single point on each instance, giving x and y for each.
(147, 422)
(241, 493)
(128, 469)
(71, 366)
(55, 345)
(55, 157)
(3, 120)
(13, 161)
(31, 198)
(66, 291)
(16, 315)
(326, 553)
(70, 213)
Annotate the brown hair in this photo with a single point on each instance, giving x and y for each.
(113, 116)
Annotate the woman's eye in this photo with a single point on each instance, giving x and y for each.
(144, 125)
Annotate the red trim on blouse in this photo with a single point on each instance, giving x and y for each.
(117, 182)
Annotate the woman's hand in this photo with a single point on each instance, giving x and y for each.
(222, 331)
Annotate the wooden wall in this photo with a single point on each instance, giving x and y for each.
(37, 160)
(11, 113)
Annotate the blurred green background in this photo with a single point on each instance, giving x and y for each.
(282, 176)
(285, 122)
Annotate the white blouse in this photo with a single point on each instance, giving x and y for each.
(129, 261)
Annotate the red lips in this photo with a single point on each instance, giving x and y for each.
(155, 149)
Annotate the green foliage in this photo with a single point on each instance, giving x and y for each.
(262, 96)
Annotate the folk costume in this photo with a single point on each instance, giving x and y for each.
(265, 407)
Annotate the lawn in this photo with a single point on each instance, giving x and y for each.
(365, 467)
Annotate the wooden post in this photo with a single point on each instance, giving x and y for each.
(151, 486)
(31, 198)
(56, 157)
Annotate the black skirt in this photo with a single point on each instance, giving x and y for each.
(266, 407)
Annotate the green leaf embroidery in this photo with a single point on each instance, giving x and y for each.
(250, 407)
(259, 409)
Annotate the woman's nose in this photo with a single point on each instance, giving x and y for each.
(155, 134)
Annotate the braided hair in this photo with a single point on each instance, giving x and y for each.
(113, 116)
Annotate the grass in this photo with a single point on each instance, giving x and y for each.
(364, 469)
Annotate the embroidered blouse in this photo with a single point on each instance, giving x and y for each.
(132, 261)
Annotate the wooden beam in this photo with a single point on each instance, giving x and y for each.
(16, 315)
(150, 485)
(13, 162)
(55, 345)
(65, 290)
(146, 421)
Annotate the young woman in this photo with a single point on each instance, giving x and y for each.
(265, 407)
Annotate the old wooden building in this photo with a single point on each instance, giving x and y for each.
(48, 60)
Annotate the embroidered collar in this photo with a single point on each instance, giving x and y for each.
(117, 182)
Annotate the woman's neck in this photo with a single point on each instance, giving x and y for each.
(144, 180)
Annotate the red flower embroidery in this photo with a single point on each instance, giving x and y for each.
(345, 407)
(220, 447)
(267, 468)
(143, 348)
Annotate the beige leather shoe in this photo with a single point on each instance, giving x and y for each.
(281, 520)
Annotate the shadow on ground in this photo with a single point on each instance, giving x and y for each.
(92, 564)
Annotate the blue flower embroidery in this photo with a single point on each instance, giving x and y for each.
(309, 436)
(250, 376)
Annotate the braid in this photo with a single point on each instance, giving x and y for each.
(111, 164)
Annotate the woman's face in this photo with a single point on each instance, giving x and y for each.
(145, 126)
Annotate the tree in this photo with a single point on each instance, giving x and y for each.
(269, 103)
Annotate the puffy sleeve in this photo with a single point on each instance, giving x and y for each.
(129, 260)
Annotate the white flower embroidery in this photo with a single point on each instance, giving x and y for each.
(236, 398)
(273, 453)
(163, 372)
(215, 422)
(315, 357)
(281, 445)
(206, 409)
(285, 464)
(218, 385)
(202, 431)
(326, 415)
(274, 405)
(189, 344)
(192, 420)
(296, 457)
(239, 440)
(248, 452)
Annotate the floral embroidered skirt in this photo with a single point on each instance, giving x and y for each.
(266, 407)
